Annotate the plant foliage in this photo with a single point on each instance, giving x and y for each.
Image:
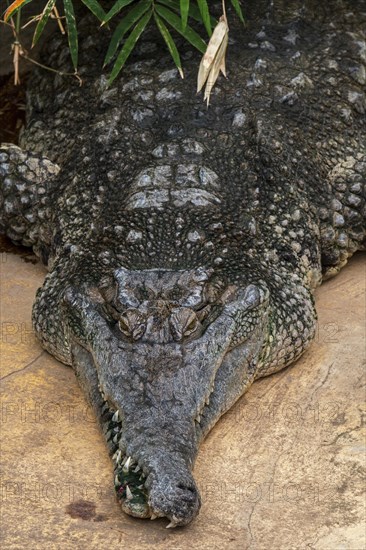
(134, 16)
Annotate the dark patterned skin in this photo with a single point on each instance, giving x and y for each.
(184, 243)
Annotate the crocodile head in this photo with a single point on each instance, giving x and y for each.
(169, 351)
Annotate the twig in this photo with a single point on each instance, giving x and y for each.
(31, 20)
(75, 74)
(16, 53)
(53, 16)
(19, 51)
(57, 15)
(16, 47)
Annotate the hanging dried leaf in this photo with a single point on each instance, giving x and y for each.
(214, 59)
(218, 65)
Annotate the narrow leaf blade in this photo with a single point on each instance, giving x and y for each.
(184, 10)
(14, 7)
(42, 22)
(237, 8)
(169, 42)
(194, 12)
(72, 32)
(95, 8)
(205, 14)
(175, 21)
(116, 8)
(125, 24)
(129, 45)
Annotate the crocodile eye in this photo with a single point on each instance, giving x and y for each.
(124, 326)
(132, 324)
(183, 322)
(203, 313)
(191, 325)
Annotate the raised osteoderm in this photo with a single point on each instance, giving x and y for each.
(184, 243)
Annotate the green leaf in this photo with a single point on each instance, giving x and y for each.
(95, 8)
(116, 8)
(42, 22)
(72, 32)
(194, 12)
(14, 7)
(237, 8)
(125, 24)
(176, 22)
(129, 45)
(203, 7)
(169, 42)
(184, 10)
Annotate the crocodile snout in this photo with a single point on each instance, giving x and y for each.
(176, 498)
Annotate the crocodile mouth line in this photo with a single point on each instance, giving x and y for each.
(129, 475)
(206, 403)
(129, 478)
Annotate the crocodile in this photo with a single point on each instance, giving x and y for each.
(184, 243)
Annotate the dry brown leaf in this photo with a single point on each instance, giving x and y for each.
(213, 60)
(217, 66)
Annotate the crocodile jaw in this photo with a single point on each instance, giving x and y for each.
(154, 453)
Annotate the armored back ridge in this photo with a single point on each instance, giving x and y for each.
(184, 243)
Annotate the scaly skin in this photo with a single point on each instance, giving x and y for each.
(183, 243)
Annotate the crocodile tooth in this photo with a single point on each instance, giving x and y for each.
(129, 495)
(127, 464)
(153, 516)
(137, 469)
(101, 391)
(140, 486)
(108, 434)
(118, 456)
(115, 439)
(171, 525)
(116, 480)
(198, 419)
(115, 417)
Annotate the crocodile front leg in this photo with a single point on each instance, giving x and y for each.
(26, 181)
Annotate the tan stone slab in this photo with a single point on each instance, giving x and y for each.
(282, 470)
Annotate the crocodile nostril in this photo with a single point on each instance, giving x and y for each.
(186, 488)
(188, 493)
(177, 499)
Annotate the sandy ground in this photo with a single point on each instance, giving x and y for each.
(282, 470)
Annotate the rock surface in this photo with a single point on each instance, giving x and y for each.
(283, 469)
